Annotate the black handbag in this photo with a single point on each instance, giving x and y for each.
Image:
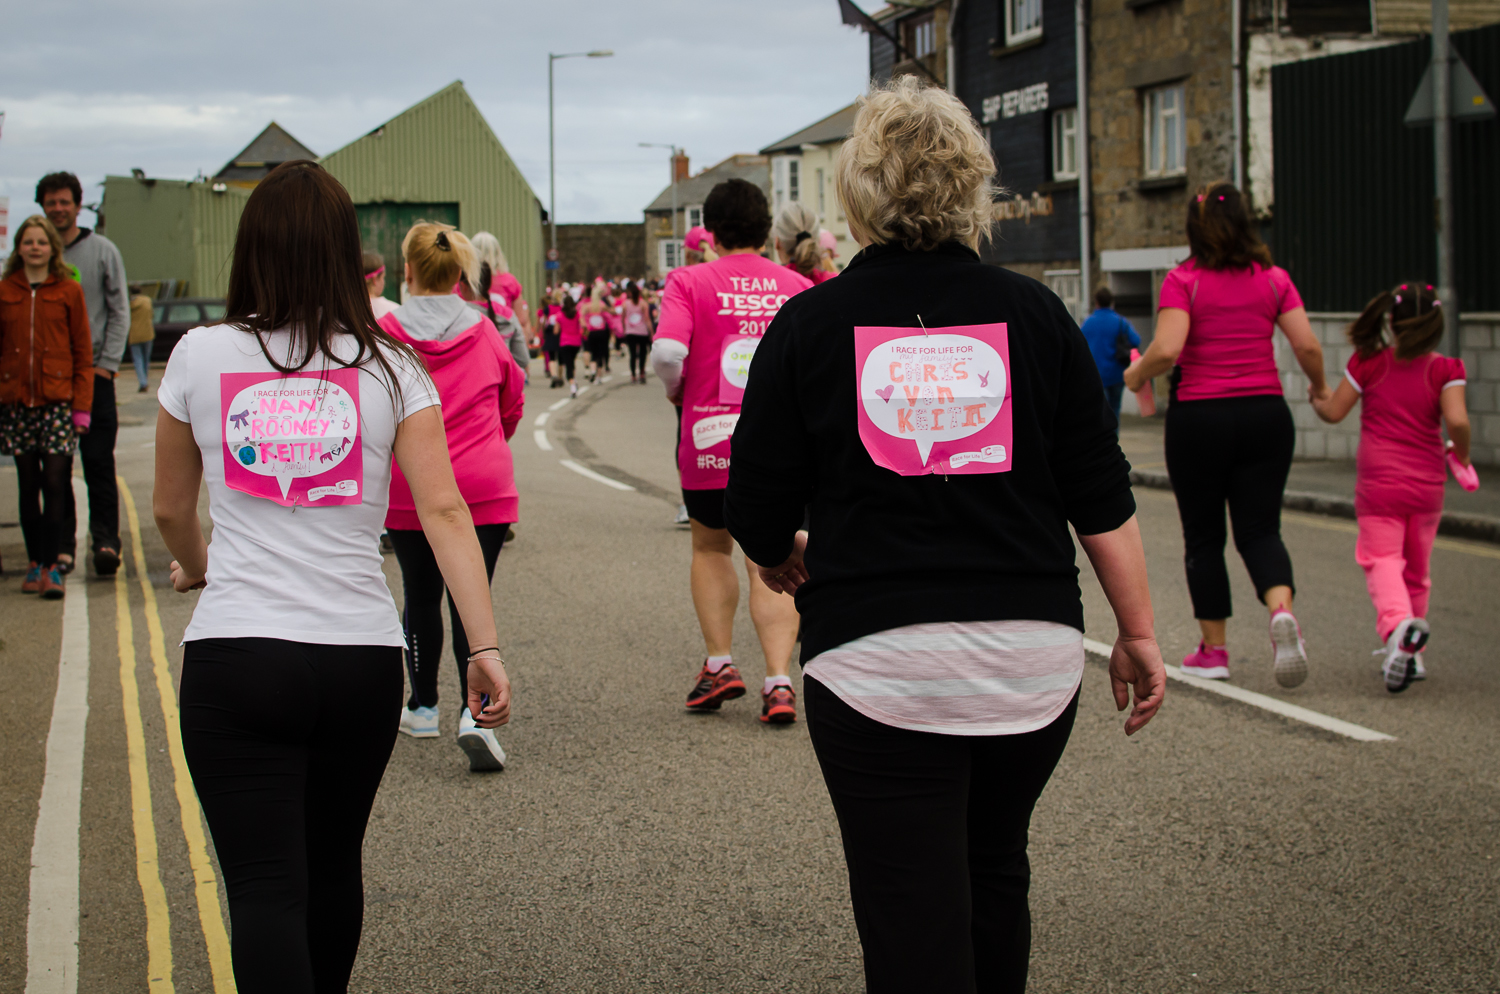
(1122, 345)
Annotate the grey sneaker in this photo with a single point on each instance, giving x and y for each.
(682, 515)
(1291, 650)
(1401, 649)
(480, 745)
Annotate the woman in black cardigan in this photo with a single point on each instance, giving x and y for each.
(943, 423)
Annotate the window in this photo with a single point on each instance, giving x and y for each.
(1165, 132)
(668, 255)
(694, 216)
(1023, 20)
(1065, 143)
(793, 167)
(921, 37)
(1068, 285)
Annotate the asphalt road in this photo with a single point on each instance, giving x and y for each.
(630, 846)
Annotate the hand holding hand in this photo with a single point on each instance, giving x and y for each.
(487, 678)
(786, 578)
(182, 581)
(1137, 663)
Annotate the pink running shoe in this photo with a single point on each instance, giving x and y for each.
(1291, 650)
(1208, 662)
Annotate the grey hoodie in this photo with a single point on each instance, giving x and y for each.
(102, 273)
(435, 319)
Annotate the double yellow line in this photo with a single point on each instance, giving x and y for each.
(148, 872)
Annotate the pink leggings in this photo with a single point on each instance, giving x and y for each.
(1394, 551)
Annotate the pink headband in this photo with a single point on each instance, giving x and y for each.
(374, 274)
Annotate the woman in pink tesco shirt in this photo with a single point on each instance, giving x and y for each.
(1229, 432)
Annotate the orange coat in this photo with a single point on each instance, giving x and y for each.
(46, 352)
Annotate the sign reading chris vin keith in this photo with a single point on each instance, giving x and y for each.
(1027, 100)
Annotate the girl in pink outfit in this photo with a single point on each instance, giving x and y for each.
(481, 389)
(1410, 393)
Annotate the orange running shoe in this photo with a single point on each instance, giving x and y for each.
(779, 707)
(713, 689)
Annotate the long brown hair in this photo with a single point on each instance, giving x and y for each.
(1416, 322)
(1221, 232)
(298, 264)
(57, 265)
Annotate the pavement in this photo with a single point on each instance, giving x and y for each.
(1321, 486)
(629, 846)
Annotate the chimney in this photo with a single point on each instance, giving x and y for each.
(679, 167)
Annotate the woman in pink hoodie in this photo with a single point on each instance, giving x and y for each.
(481, 389)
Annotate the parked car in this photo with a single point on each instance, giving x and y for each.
(174, 318)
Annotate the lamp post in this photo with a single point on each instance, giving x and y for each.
(601, 53)
(675, 153)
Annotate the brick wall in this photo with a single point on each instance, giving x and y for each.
(589, 250)
(1317, 440)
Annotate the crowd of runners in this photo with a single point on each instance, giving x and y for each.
(921, 440)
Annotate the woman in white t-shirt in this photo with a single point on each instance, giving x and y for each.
(291, 683)
(374, 264)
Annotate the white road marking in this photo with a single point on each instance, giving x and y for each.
(1276, 706)
(582, 470)
(560, 404)
(541, 440)
(541, 419)
(52, 918)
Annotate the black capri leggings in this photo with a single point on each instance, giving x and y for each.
(287, 742)
(935, 831)
(598, 342)
(567, 356)
(1234, 450)
(46, 475)
(640, 347)
(422, 616)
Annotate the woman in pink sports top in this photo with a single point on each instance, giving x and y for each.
(1409, 393)
(1230, 435)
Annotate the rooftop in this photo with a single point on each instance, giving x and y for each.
(833, 128)
(752, 168)
(269, 149)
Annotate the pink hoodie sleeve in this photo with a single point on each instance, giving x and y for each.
(512, 393)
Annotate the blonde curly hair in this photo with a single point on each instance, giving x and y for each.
(916, 169)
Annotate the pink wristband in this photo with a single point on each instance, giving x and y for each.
(81, 420)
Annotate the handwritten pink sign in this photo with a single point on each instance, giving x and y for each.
(936, 401)
(735, 353)
(293, 438)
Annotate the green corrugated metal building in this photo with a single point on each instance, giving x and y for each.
(439, 160)
(170, 229)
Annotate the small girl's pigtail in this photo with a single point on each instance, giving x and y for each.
(1367, 332)
(1417, 323)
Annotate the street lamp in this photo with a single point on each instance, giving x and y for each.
(598, 53)
(675, 153)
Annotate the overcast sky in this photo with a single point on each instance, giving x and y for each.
(174, 87)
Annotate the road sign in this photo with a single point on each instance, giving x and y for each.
(1467, 100)
(551, 264)
(552, 255)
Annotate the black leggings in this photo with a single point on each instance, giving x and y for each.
(640, 347)
(422, 615)
(935, 831)
(287, 742)
(598, 343)
(44, 474)
(567, 355)
(1236, 450)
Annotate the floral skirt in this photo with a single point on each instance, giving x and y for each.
(48, 428)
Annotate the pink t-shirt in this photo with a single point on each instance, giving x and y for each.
(732, 297)
(636, 317)
(1400, 463)
(817, 275)
(1233, 312)
(567, 330)
(505, 290)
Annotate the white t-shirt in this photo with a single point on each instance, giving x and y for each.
(381, 306)
(298, 469)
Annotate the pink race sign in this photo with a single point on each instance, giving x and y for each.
(293, 438)
(935, 401)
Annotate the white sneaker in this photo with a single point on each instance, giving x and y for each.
(1419, 673)
(479, 744)
(682, 515)
(420, 723)
(1400, 666)
(1291, 650)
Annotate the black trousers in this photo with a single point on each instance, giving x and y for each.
(287, 742)
(46, 495)
(935, 831)
(640, 348)
(598, 343)
(567, 357)
(97, 450)
(1234, 450)
(422, 615)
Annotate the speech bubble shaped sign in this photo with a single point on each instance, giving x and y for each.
(734, 366)
(293, 438)
(945, 391)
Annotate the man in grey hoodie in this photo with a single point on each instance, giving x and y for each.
(102, 273)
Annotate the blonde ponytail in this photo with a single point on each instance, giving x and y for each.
(440, 256)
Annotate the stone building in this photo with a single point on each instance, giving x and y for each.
(802, 170)
(663, 248)
(920, 27)
(586, 251)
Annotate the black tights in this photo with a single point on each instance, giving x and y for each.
(287, 742)
(567, 358)
(43, 474)
(422, 616)
(640, 347)
(935, 831)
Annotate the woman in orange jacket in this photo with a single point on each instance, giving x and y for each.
(46, 389)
